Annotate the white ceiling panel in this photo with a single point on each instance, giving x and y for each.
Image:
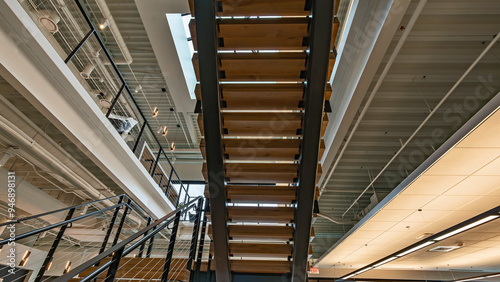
(475, 185)
(463, 161)
(433, 185)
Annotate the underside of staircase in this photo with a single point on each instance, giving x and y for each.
(263, 59)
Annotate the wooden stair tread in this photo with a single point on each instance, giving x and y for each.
(260, 8)
(259, 232)
(268, 34)
(262, 124)
(286, 97)
(259, 34)
(261, 214)
(258, 250)
(260, 194)
(245, 90)
(283, 66)
(260, 266)
(261, 172)
(261, 149)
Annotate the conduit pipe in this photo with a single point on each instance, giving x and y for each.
(395, 52)
(25, 140)
(103, 7)
(427, 118)
(335, 219)
(127, 58)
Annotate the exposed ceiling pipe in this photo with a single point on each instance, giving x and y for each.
(436, 108)
(127, 58)
(27, 141)
(336, 219)
(382, 76)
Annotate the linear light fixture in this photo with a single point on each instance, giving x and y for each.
(467, 227)
(479, 277)
(421, 246)
(385, 261)
(476, 221)
(358, 272)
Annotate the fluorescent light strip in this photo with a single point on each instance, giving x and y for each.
(357, 272)
(421, 246)
(478, 278)
(472, 225)
(385, 261)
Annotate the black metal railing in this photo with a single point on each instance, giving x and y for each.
(120, 247)
(96, 212)
(164, 178)
(125, 247)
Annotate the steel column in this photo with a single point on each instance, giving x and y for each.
(73, 53)
(194, 239)
(141, 248)
(202, 244)
(209, 266)
(317, 70)
(122, 221)
(207, 38)
(53, 248)
(171, 245)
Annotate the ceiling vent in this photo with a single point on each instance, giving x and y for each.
(49, 19)
(446, 249)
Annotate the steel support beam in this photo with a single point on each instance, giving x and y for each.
(314, 97)
(206, 34)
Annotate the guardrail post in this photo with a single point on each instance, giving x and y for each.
(139, 137)
(73, 53)
(171, 245)
(150, 245)
(202, 243)
(53, 248)
(141, 248)
(209, 266)
(152, 172)
(122, 221)
(113, 267)
(194, 238)
(115, 100)
(110, 227)
(169, 181)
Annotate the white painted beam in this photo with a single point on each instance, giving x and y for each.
(35, 69)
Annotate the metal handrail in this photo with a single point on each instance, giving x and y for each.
(124, 86)
(119, 249)
(60, 210)
(59, 224)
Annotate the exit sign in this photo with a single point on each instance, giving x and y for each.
(314, 270)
